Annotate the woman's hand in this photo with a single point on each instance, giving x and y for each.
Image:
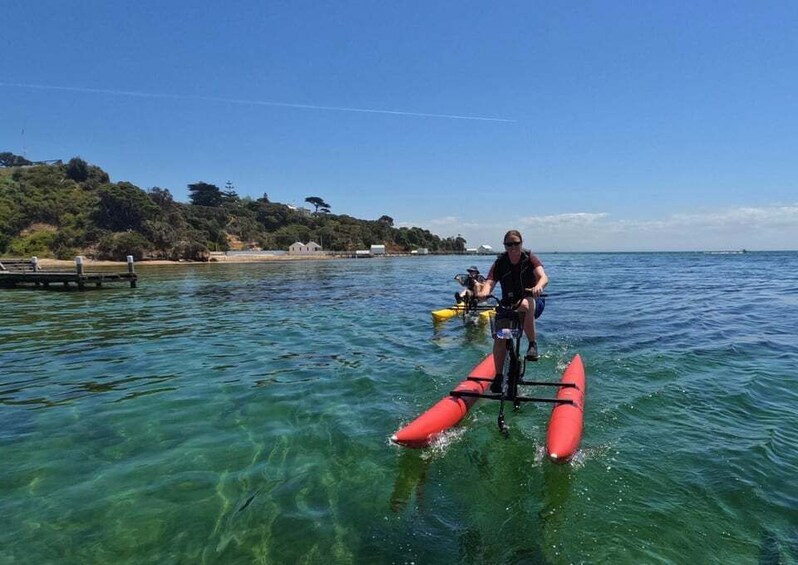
(535, 291)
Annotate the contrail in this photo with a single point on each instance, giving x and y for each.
(251, 102)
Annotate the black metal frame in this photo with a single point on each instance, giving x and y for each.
(514, 377)
(469, 309)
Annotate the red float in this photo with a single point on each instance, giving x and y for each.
(565, 425)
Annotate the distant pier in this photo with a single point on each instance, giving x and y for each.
(27, 273)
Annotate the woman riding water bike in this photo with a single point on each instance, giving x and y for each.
(522, 279)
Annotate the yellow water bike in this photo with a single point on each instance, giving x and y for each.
(470, 310)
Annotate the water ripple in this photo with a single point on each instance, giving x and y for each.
(239, 413)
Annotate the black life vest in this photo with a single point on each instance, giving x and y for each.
(514, 278)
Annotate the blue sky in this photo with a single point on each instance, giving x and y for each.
(635, 125)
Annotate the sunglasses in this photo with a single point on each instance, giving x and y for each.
(512, 243)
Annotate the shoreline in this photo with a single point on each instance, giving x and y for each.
(45, 263)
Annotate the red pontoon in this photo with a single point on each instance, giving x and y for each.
(565, 426)
(448, 412)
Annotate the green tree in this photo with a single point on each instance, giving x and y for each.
(162, 197)
(189, 251)
(273, 215)
(123, 206)
(77, 169)
(117, 246)
(287, 235)
(208, 226)
(163, 235)
(37, 243)
(10, 160)
(42, 194)
(229, 195)
(318, 203)
(204, 194)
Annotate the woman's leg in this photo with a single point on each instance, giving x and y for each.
(499, 352)
(527, 306)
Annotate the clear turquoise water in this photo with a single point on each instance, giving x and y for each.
(241, 414)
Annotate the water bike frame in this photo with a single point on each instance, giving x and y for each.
(508, 325)
(567, 416)
(470, 310)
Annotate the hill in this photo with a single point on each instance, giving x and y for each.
(65, 209)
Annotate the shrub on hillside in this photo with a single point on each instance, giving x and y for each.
(189, 251)
(36, 244)
(117, 246)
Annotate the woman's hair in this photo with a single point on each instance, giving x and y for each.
(516, 233)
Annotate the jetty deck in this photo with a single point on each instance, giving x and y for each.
(27, 273)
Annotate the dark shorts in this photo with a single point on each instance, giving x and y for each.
(540, 304)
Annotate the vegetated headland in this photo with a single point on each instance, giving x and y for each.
(59, 210)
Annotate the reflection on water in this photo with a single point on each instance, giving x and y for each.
(413, 467)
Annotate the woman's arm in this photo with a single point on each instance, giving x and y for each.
(543, 280)
(485, 289)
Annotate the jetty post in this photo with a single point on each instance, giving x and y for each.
(34, 265)
(131, 271)
(79, 269)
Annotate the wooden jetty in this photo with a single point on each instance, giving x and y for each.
(26, 272)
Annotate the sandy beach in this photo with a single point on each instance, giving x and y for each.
(45, 263)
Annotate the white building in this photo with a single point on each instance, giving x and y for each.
(485, 250)
(377, 250)
(471, 251)
(422, 251)
(299, 209)
(299, 248)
